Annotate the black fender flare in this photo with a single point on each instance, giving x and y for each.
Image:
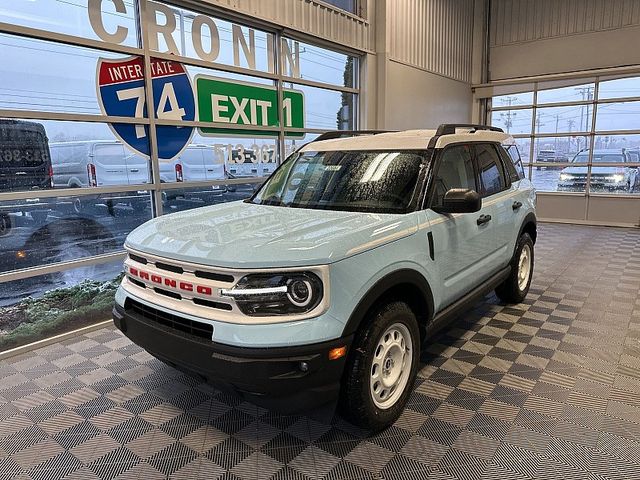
(398, 277)
(530, 218)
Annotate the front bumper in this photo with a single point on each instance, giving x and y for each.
(288, 379)
(580, 186)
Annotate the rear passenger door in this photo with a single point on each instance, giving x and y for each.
(461, 242)
(497, 196)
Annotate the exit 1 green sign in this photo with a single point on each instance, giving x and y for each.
(240, 103)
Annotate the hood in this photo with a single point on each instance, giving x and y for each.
(244, 235)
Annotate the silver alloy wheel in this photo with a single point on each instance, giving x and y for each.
(524, 267)
(391, 366)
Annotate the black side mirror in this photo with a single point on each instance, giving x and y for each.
(460, 200)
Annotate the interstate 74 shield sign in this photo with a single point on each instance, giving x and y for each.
(121, 93)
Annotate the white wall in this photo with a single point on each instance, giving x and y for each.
(419, 99)
(538, 37)
(421, 71)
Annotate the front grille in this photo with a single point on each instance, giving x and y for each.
(197, 329)
(170, 268)
(137, 258)
(219, 277)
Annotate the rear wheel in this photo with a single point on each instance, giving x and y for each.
(515, 288)
(382, 367)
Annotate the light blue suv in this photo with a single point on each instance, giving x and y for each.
(328, 281)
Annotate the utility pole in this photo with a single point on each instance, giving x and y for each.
(570, 123)
(507, 117)
(587, 94)
(539, 124)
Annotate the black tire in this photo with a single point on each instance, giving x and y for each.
(510, 290)
(356, 397)
(5, 224)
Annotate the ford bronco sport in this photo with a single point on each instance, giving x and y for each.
(325, 283)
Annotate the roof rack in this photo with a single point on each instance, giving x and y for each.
(450, 128)
(348, 133)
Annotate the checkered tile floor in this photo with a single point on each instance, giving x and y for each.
(546, 389)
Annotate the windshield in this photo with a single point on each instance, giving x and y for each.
(599, 157)
(367, 181)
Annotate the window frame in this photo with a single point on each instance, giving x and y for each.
(593, 101)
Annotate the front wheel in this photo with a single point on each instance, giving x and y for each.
(515, 288)
(382, 367)
(5, 223)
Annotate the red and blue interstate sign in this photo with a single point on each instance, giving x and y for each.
(121, 93)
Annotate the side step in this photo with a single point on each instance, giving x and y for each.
(446, 315)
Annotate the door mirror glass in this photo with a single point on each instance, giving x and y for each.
(460, 200)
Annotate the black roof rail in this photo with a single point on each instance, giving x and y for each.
(347, 133)
(450, 128)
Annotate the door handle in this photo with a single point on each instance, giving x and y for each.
(482, 219)
(516, 205)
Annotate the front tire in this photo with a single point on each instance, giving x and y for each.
(382, 367)
(5, 224)
(515, 288)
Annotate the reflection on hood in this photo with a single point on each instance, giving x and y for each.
(245, 235)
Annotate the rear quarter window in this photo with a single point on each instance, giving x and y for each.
(512, 161)
(516, 159)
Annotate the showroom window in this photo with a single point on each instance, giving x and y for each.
(84, 160)
(348, 5)
(576, 136)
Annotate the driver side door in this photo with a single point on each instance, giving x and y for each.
(462, 241)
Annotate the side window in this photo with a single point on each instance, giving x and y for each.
(490, 170)
(455, 171)
(513, 152)
(511, 170)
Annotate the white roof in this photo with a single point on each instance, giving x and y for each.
(406, 140)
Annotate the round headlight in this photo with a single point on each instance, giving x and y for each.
(299, 292)
(281, 293)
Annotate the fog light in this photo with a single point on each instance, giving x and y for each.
(21, 254)
(303, 366)
(338, 352)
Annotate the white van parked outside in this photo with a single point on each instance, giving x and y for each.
(96, 163)
(197, 163)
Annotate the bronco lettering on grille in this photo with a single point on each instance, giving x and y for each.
(170, 282)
